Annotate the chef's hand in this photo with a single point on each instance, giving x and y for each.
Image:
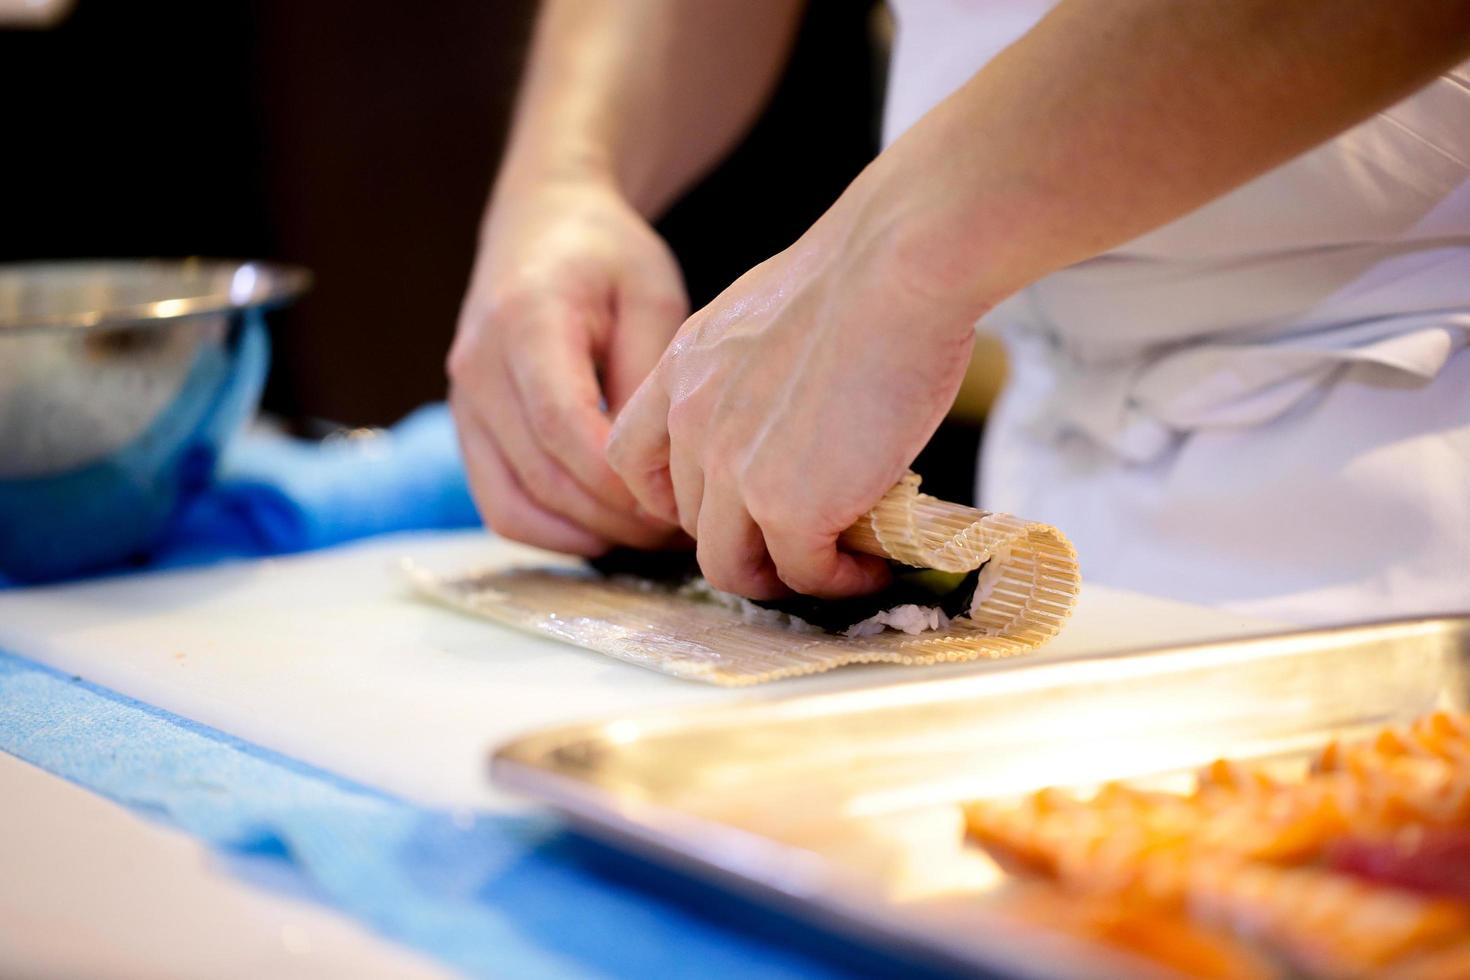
(572, 300)
(786, 408)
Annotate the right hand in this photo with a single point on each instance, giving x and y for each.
(571, 303)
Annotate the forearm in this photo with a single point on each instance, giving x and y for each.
(1111, 118)
(645, 94)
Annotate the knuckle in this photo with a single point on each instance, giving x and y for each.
(546, 485)
(763, 511)
(619, 455)
(479, 323)
(665, 372)
(773, 500)
(683, 420)
(548, 422)
(554, 491)
(510, 304)
(636, 482)
(686, 511)
(621, 451)
(690, 523)
(669, 306)
(459, 362)
(769, 508)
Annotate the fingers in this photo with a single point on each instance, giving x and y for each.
(688, 481)
(736, 553)
(809, 562)
(731, 549)
(565, 279)
(536, 398)
(504, 503)
(642, 330)
(638, 450)
(555, 385)
(547, 482)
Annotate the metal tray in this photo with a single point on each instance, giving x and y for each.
(841, 808)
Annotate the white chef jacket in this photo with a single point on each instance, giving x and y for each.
(1264, 405)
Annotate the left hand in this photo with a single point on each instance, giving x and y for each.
(786, 408)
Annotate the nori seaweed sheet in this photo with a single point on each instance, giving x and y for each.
(671, 568)
(951, 592)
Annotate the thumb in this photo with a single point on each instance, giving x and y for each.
(638, 450)
(640, 334)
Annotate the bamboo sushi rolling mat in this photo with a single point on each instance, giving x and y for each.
(1028, 588)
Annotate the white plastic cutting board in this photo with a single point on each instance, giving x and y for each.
(328, 658)
(93, 890)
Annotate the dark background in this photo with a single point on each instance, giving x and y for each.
(359, 138)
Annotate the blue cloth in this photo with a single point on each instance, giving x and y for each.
(491, 896)
(275, 495)
(99, 515)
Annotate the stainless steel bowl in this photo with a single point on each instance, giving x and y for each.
(120, 381)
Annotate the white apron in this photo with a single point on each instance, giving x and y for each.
(1264, 405)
